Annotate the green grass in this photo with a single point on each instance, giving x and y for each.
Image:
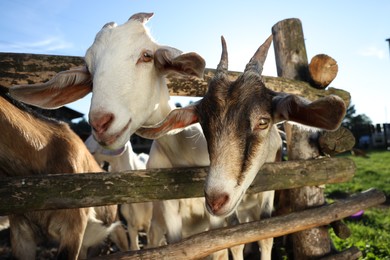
(371, 234)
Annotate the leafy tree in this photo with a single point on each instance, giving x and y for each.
(352, 120)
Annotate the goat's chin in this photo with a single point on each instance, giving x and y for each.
(113, 142)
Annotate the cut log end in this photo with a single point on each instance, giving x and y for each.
(323, 70)
(336, 142)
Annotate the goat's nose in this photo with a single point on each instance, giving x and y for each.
(216, 201)
(102, 122)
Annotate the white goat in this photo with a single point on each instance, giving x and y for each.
(137, 215)
(31, 145)
(137, 95)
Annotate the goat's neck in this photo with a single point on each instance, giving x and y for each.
(185, 149)
(163, 107)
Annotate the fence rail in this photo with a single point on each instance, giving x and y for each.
(58, 191)
(203, 244)
(21, 68)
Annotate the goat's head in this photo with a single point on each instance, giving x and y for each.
(238, 119)
(125, 70)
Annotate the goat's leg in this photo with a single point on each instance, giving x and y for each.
(129, 214)
(173, 220)
(23, 241)
(119, 237)
(237, 251)
(267, 203)
(133, 234)
(217, 222)
(157, 230)
(71, 232)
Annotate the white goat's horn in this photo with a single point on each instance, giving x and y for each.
(257, 61)
(141, 17)
(223, 64)
(110, 25)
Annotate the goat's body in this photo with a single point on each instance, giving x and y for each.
(185, 149)
(32, 145)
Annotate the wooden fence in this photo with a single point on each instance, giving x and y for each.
(19, 194)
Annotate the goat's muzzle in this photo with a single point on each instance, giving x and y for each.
(215, 202)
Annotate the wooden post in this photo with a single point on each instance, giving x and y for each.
(292, 63)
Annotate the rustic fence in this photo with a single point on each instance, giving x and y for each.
(300, 178)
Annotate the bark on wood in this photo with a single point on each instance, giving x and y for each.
(339, 141)
(34, 68)
(352, 253)
(290, 50)
(341, 229)
(323, 70)
(205, 243)
(291, 61)
(95, 189)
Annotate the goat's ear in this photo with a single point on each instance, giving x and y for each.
(169, 59)
(65, 87)
(174, 123)
(325, 113)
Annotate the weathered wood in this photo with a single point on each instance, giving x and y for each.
(291, 61)
(35, 68)
(336, 142)
(205, 243)
(290, 50)
(323, 70)
(341, 229)
(351, 253)
(94, 189)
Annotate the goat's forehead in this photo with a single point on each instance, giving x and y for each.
(132, 35)
(237, 102)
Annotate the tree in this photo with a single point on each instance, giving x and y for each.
(351, 120)
(360, 125)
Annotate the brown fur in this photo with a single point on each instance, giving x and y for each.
(31, 145)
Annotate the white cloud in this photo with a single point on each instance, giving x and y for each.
(47, 45)
(372, 52)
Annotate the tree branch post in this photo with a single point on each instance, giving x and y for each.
(292, 63)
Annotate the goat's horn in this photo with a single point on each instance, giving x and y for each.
(110, 25)
(223, 64)
(257, 61)
(141, 17)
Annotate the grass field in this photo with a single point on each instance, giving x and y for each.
(371, 232)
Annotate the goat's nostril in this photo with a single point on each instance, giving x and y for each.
(102, 123)
(216, 202)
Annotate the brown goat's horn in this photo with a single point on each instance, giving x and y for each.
(257, 61)
(223, 64)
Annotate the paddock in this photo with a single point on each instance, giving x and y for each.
(307, 217)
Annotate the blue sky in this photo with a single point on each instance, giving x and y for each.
(353, 32)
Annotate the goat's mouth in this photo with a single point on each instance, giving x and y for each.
(113, 141)
(227, 209)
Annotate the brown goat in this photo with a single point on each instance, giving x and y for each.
(31, 145)
(239, 120)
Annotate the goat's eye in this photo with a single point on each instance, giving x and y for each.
(146, 56)
(262, 124)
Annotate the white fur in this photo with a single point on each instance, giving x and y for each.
(4, 222)
(118, 81)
